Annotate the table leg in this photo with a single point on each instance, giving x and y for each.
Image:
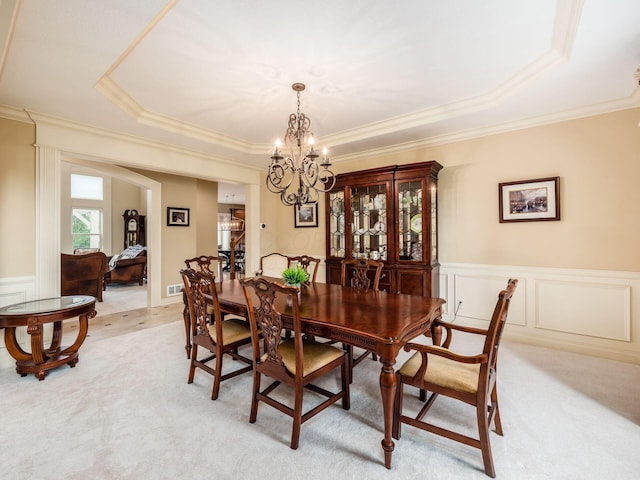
(13, 347)
(35, 330)
(388, 391)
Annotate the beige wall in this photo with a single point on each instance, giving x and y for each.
(17, 199)
(206, 218)
(597, 159)
(200, 237)
(280, 235)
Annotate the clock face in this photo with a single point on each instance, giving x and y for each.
(132, 225)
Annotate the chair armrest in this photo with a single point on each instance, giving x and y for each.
(460, 328)
(443, 352)
(449, 327)
(124, 262)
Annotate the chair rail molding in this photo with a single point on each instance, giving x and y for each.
(582, 311)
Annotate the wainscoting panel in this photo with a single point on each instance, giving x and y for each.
(599, 310)
(583, 311)
(16, 290)
(476, 296)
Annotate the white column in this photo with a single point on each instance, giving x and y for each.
(48, 162)
(252, 228)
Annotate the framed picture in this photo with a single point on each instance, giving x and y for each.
(177, 217)
(305, 215)
(530, 200)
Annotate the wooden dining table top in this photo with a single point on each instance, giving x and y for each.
(369, 319)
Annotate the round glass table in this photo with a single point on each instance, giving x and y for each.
(34, 315)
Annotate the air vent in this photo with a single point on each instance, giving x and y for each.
(174, 290)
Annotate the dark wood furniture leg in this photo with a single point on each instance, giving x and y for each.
(388, 391)
(187, 324)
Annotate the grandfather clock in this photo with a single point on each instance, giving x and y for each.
(134, 229)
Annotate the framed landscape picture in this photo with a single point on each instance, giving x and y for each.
(305, 215)
(177, 217)
(530, 200)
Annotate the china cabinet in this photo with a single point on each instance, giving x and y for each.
(387, 214)
(134, 229)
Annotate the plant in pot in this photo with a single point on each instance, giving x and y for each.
(295, 276)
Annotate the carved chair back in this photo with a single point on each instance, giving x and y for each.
(207, 264)
(196, 285)
(266, 319)
(359, 270)
(310, 265)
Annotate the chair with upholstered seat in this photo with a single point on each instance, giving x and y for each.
(468, 378)
(361, 274)
(83, 274)
(295, 361)
(209, 264)
(210, 331)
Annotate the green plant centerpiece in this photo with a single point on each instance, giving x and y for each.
(295, 275)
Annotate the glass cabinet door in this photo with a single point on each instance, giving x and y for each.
(410, 218)
(369, 222)
(337, 234)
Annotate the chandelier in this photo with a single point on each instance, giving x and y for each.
(295, 173)
(229, 222)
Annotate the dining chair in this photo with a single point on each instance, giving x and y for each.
(309, 264)
(296, 362)
(362, 274)
(210, 331)
(468, 378)
(210, 264)
(273, 264)
(207, 264)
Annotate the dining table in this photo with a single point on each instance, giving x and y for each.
(379, 321)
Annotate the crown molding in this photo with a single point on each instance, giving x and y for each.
(17, 114)
(121, 99)
(43, 118)
(598, 109)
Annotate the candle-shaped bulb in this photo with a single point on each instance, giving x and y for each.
(325, 157)
(276, 148)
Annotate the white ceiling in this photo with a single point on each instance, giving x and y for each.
(215, 76)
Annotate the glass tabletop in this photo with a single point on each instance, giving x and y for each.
(46, 305)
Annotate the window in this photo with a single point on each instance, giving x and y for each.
(87, 194)
(86, 228)
(86, 187)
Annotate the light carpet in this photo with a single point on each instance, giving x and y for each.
(126, 412)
